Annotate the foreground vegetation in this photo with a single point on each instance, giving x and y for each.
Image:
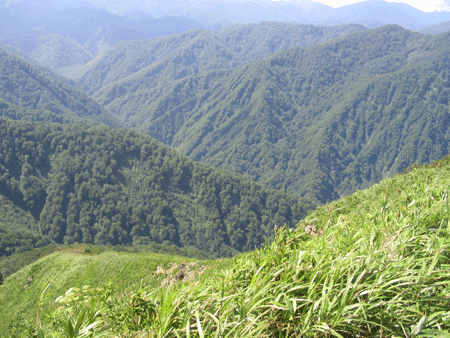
(110, 273)
(375, 264)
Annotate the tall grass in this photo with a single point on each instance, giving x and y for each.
(378, 267)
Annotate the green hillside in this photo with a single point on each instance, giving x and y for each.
(321, 121)
(79, 184)
(374, 264)
(109, 272)
(27, 90)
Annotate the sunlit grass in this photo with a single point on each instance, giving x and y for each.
(378, 266)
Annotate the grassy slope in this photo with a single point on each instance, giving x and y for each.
(376, 265)
(74, 268)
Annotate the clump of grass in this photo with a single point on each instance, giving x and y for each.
(378, 266)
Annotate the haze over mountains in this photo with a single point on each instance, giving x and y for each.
(372, 13)
(67, 35)
(436, 29)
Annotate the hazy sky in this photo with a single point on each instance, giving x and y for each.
(423, 5)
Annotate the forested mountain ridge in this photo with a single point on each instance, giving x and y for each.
(27, 90)
(174, 57)
(329, 119)
(289, 121)
(102, 185)
(66, 36)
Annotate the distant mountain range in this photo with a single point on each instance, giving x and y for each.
(67, 36)
(171, 199)
(268, 100)
(371, 13)
(436, 29)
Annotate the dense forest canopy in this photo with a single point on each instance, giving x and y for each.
(320, 121)
(74, 183)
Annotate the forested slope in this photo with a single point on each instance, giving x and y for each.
(319, 121)
(27, 88)
(167, 59)
(74, 183)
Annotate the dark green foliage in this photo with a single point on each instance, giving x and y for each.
(102, 185)
(18, 228)
(320, 121)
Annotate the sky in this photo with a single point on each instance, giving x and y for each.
(423, 5)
